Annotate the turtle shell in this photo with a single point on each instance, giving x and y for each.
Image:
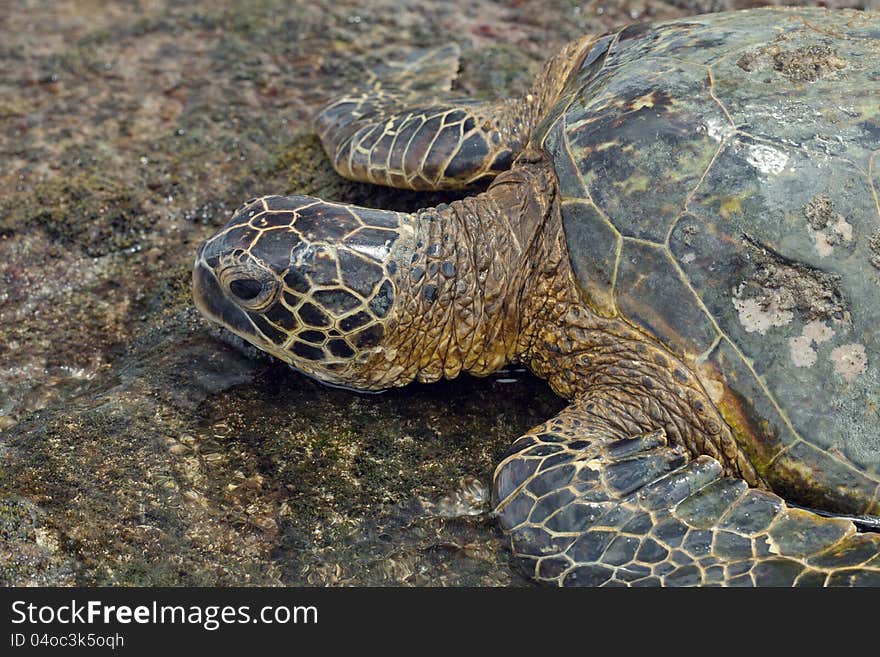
(719, 178)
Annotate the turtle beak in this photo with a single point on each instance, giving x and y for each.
(213, 303)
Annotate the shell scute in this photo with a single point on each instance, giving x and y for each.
(735, 166)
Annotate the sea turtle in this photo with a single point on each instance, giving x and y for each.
(682, 237)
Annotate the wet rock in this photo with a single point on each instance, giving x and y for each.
(138, 445)
(30, 554)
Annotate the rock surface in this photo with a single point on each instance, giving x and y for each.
(138, 446)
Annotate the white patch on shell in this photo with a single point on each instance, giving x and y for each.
(718, 130)
(850, 360)
(818, 331)
(714, 388)
(766, 159)
(757, 318)
(841, 229)
(802, 352)
(374, 251)
(823, 246)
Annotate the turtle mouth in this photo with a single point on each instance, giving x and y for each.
(213, 304)
(209, 297)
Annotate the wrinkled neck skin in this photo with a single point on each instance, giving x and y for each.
(467, 271)
(487, 281)
(463, 271)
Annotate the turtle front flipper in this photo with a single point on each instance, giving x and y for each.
(585, 507)
(404, 129)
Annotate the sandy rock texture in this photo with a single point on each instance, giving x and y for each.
(139, 446)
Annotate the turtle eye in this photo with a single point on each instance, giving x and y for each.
(250, 286)
(246, 289)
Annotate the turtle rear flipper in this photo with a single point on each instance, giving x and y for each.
(584, 508)
(403, 129)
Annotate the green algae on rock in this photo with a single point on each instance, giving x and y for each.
(167, 116)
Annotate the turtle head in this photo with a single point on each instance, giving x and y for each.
(307, 281)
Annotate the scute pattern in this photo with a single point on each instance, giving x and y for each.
(586, 510)
(703, 144)
(638, 135)
(330, 263)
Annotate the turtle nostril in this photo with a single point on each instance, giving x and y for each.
(246, 289)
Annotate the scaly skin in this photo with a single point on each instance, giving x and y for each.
(586, 498)
(639, 480)
(514, 298)
(585, 509)
(390, 132)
